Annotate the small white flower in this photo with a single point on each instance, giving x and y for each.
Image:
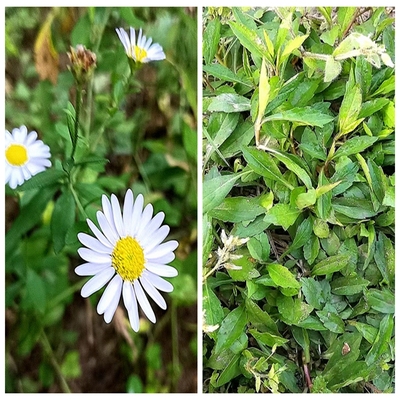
(141, 50)
(25, 156)
(127, 252)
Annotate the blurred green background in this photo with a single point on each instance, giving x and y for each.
(146, 129)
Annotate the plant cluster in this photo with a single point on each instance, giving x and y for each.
(298, 162)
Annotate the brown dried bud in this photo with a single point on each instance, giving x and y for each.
(83, 61)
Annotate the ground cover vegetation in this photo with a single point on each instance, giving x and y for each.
(298, 200)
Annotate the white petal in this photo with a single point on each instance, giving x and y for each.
(155, 222)
(133, 36)
(136, 213)
(109, 231)
(124, 38)
(145, 219)
(92, 256)
(167, 258)
(117, 218)
(162, 249)
(152, 240)
(20, 133)
(130, 303)
(110, 298)
(162, 270)
(102, 239)
(93, 243)
(89, 269)
(127, 212)
(32, 136)
(144, 303)
(158, 282)
(153, 293)
(97, 282)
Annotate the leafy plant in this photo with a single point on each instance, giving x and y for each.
(298, 200)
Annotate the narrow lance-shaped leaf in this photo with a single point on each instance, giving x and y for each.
(303, 235)
(302, 115)
(216, 189)
(350, 108)
(263, 164)
(382, 339)
(263, 97)
(354, 145)
(331, 264)
(292, 166)
(231, 328)
(229, 103)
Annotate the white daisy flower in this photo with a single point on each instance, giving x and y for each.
(127, 252)
(142, 50)
(25, 156)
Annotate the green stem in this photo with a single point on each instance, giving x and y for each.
(77, 201)
(77, 113)
(49, 352)
(90, 102)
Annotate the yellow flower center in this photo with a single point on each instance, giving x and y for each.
(16, 155)
(139, 53)
(128, 259)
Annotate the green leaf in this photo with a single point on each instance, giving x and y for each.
(354, 145)
(282, 276)
(263, 90)
(303, 235)
(384, 258)
(377, 180)
(267, 338)
(291, 164)
(371, 107)
(345, 16)
(46, 178)
(353, 207)
(346, 286)
(229, 103)
(382, 339)
(350, 108)
(331, 264)
(321, 228)
(212, 308)
(249, 39)
(36, 292)
(302, 338)
(62, 220)
(282, 215)
(291, 45)
(30, 214)
(308, 199)
(292, 311)
(331, 321)
(260, 318)
(313, 292)
(247, 267)
(237, 209)
(216, 189)
(381, 300)
(332, 69)
(259, 247)
(302, 116)
(207, 237)
(230, 371)
(223, 73)
(211, 38)
(263, 164)
(311, 146)
(231, 328)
